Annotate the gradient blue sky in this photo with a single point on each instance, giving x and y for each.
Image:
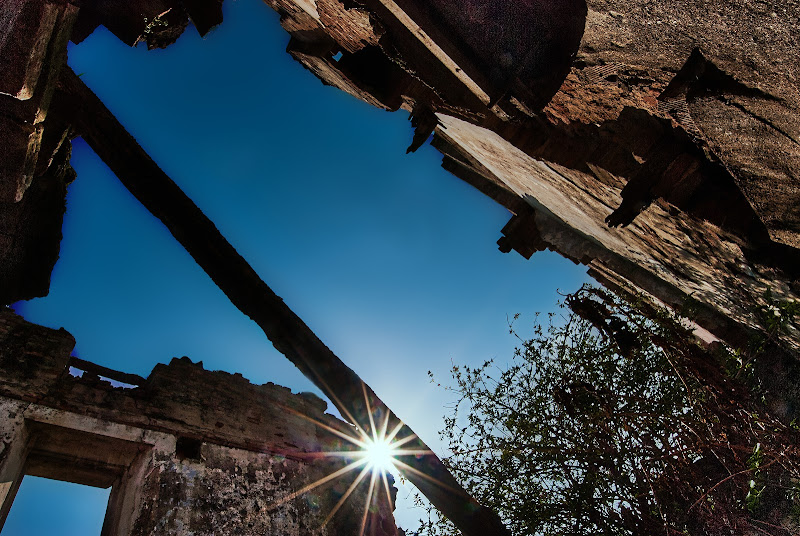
(388, 258)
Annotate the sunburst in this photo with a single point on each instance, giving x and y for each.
(375, 455)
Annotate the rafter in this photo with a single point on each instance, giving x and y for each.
(243, 286)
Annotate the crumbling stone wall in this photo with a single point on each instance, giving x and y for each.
(187, 451)
(34, 160)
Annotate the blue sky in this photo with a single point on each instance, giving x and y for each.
(52, 508)
(388, 258)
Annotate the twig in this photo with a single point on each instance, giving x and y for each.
(718, 484)
(771, 525)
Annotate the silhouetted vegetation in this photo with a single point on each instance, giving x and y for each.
(612, 419)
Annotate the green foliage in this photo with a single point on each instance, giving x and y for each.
(775, 317)
(612, 421)
(753, 498)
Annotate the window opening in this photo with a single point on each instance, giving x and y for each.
(45, 507)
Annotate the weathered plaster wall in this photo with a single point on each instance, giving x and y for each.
(664, 252)
(187, 452)
(230, 491)
(725, 72)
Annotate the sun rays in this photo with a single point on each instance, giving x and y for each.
(374, 455)
(380, 455)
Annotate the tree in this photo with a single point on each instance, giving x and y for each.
(612, 420)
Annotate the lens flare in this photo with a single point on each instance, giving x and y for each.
(374, 454)
(380, 454)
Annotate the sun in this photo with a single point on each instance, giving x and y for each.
(373, 454)
(380, 454)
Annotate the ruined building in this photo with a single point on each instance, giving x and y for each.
(656, 142)
(185, 451)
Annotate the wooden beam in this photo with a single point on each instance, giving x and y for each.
(105, 372)
(287, 332)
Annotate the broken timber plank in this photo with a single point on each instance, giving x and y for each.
(237, 279)
(105, 372)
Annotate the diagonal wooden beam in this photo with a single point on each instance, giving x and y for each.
(234, 276)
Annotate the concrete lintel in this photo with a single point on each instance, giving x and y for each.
(36, 413)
